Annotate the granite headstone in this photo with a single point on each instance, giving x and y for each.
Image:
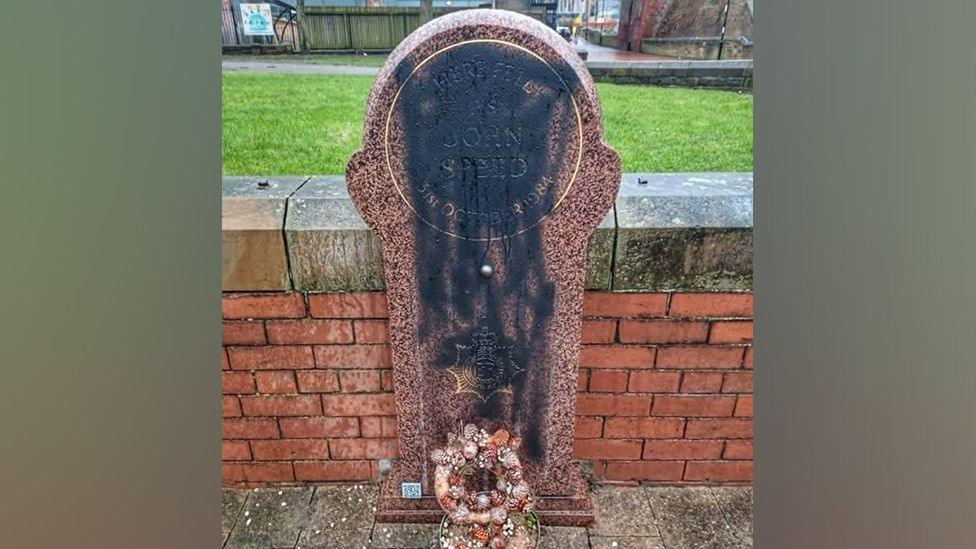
(483, 172)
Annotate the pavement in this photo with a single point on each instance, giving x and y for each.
(294, 68)
(604, 54)
(599, 54)
(341, 516)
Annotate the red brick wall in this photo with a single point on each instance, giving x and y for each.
(665, 387)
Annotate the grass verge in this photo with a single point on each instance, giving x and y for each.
(297, 124)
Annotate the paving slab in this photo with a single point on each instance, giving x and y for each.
(271, 518)
(343, 507)
(333, 538)
(627, 517)
(295, 68)
(596, 52)
(622, 511)
(403, 536)
(626, 542)
(231, 502)
(562, 537)
(691, 518)
(736, 503)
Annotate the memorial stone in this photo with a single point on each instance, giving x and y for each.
(483, 172)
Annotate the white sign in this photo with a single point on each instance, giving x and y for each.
(257, 19)
(410, 490)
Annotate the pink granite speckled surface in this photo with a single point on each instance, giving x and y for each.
(538, 256)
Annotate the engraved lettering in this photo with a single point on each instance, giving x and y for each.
(480, 158)
(519, 167)
(451, 139)
(472, 137)
(515, 134)
(447, 168)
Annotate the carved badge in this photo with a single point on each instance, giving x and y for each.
(484, 367)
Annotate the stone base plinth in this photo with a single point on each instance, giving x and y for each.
(574, 509)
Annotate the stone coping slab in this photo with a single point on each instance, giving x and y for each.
(693, 64)
(252, 246)
(256, 203)
(259, 65)
(672, 231)
(734, 75)
(684, 231)
(685, 200)
(330, 246)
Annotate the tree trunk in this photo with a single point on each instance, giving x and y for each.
(426, 11)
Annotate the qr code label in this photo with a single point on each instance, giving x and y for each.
(410, 490)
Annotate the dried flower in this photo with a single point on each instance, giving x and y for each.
(500, 437)
(459, 515)
(480, 534)
(515, 475)
(490, 451)
(497, 498)
(482, 437)
(520, 491)
(498, 515)
(439, 456)
(447, 502)
(508, 457)
(457, 461)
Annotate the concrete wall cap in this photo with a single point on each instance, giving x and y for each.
(685, 200)
(321, 204)
(666, 231)
(689, 64)
(256, 203)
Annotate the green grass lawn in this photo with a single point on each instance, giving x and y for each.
(295, 124)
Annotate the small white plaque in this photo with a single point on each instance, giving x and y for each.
(410, 490)
(257, 19)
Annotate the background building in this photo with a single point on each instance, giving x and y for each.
(694, 29)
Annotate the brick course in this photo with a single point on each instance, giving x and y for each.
(306, 332)
(243, 333)
(665, 387)
(663, 331)
(273, 305)
(276, 381)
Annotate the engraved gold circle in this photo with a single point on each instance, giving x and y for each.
(389, 117)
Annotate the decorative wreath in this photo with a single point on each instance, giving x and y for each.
(499, 518)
